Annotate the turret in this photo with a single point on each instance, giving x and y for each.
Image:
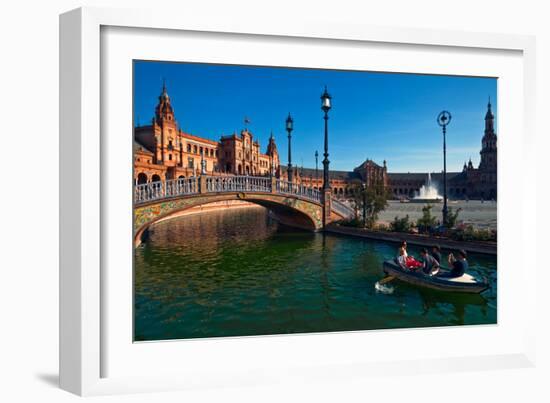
(164, 110)
(489, 143)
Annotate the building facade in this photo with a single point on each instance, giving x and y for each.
(163, 151)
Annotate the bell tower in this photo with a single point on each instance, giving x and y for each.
(489, 143)
(274, 156)
(165, 130)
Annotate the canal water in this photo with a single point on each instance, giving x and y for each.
(237, 272)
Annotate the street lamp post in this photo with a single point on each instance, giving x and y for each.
(443, 119)
(289, 127)
(325, 106)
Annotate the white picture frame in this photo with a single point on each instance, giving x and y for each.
(84, 302)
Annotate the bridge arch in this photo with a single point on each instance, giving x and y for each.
(289, 210)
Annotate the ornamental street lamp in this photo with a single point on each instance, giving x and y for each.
(443, 119)
(325, 106)
(289, 128)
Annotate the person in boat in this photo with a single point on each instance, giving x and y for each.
(404, 247)
(436, 253)
(402, 257)
(405, 260)
(430, 265)
(458, 264)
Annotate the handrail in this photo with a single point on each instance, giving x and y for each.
(159, 190)
(342, 208)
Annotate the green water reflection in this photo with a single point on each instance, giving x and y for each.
(237, 272)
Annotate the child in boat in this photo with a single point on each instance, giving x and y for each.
(430, 265)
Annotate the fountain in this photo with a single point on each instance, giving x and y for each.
(428, 193)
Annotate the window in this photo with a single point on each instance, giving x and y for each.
(195, 149)
(191, 163)
(170, 157)
(188, 148)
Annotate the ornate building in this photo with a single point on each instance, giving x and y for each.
(471, 182)
(163, 151)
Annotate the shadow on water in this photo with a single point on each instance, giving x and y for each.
(234, 273)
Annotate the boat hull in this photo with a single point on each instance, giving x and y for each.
(436, 283)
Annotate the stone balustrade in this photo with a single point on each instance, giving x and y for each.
(153, 191)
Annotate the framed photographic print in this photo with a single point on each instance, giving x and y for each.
(236, 201)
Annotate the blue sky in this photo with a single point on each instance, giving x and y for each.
(375, 115)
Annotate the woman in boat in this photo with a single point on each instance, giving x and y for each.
(405, 260)
(402, 257)
(404, 247)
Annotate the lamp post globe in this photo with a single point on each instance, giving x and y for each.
(326, 103)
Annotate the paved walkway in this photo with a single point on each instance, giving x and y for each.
(480, 215)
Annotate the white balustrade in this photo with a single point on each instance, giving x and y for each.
(218, 184)
(160, 190)
(296, 189)
(342, 208)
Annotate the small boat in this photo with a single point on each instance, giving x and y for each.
(465, 283)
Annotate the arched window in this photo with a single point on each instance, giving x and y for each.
(142, 178)
(155, 178)
(188, 148)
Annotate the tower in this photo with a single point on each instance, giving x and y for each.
(273, 155)
(168, 148)
(488, 151)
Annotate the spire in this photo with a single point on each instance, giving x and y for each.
(271, 146)
(164, 110)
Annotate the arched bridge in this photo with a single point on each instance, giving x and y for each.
(292, 203)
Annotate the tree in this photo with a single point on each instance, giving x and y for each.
(452, 217)
(370, 201)
(401, 224)
(427, 220)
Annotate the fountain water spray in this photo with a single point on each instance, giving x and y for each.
(428, 191)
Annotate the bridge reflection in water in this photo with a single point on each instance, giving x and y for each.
(294, 204)
(237, 272)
